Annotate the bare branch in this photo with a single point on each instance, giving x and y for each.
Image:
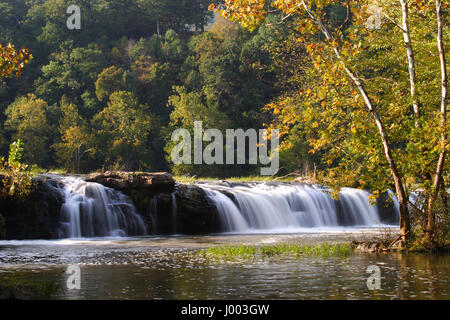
(393, 22)
(348, 14)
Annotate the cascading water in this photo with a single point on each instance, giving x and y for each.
(231, 217)
(92, 210)
(264, 207)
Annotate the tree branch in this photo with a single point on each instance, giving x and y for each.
(393, 22)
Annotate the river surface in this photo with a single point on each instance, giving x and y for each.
(169, 268)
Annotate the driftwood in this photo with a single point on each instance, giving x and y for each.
(295, 173)
(396, 240)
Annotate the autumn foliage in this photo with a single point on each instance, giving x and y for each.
(12, 60)
(371, 101)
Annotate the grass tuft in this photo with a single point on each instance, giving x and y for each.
(266, 251)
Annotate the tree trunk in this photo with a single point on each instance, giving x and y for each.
(77, 158)
(430, 231)
(411, 59)
(399, 188)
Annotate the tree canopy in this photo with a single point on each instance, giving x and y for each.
(380, 122)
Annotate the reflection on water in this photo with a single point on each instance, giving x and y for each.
(166, 268)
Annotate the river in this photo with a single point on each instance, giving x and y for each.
(169, 268)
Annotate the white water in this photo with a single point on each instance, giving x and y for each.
(230, 215)
(263, 207)
(92, 210)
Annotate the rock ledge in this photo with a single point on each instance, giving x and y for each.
(158, 182)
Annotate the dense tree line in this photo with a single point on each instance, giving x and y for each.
(109, 95)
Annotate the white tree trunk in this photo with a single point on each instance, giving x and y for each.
(411, 59)
(443, 126)
(399, 188)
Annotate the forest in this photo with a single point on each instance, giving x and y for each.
(109, 95)
(358, 101)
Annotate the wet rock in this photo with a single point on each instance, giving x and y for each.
(159, 182)
(143, 188)
(153, 196)
(36, 216)
(160, 214)
(187, 210)
(386, 209)
(197, 213)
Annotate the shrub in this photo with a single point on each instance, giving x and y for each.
(15, 176)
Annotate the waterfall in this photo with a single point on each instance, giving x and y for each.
(271, 207)
(356, 207)
(92, 210)
(230, 215)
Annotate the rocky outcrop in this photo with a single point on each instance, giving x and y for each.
(150, 193)
(196, 212)
(185, 211)
(165, 207)
(36, 216)
(160, 182)
(386, 209)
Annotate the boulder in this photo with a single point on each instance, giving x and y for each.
(159, 182)
(188, 210)
(196, 212)
(35, 216)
